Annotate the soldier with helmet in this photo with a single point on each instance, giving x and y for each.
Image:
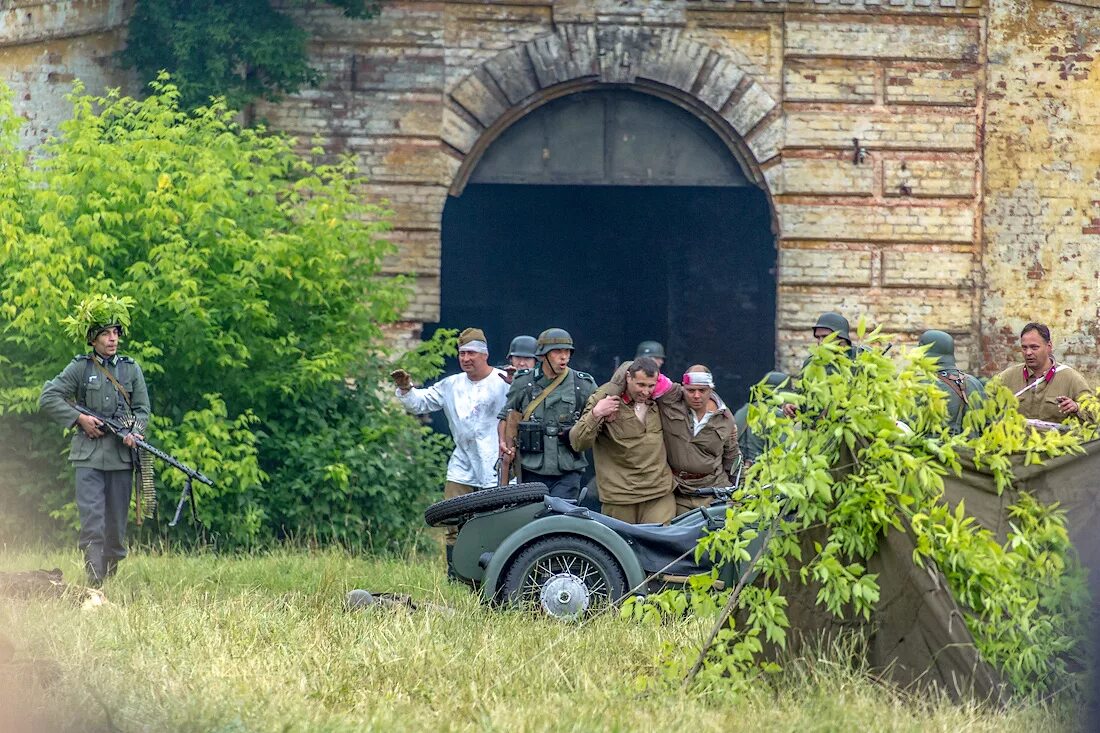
(827, 324)
(961, 388)
(752, 445)
(113, 386)
(521, 353)
(549, 399)
(654, 350)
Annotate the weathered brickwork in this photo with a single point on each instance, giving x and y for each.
(929, 162)
(1042, 181)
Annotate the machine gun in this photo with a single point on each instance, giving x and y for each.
(122, 431)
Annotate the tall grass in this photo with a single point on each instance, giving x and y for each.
(262, 643)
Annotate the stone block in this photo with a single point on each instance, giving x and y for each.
(876, 222)
(944, 176)
(889, 36)
(820, 80)
(932, 266)
(835, 175)
(938, 84)
(835, 127)
(839, 265)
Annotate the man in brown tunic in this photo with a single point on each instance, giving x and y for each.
(1046, 390)
(699, 431)
(700, 438)
(623, 428)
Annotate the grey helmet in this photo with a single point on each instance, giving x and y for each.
(523, 346)
(652, 349)
(941, 347)
(774, 379)
(553, 338)
(836, 323)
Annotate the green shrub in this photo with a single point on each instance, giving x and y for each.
(256, 278)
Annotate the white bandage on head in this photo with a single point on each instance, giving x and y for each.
(479, 346)
(698, 379)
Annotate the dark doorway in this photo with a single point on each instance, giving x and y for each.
(691, 267)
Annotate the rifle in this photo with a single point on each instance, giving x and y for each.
(122, 431)
(511, 430)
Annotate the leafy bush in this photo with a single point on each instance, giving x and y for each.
(846, 464)
(255, 274)
(237, 49)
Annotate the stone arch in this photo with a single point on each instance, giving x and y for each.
(664, 62)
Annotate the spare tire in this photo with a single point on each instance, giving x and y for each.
(458, 509)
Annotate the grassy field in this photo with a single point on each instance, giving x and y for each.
(262, 643)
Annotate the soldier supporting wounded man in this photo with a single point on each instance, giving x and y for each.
(699, 433)
(112, 386)
(623, 428)
(548, 400)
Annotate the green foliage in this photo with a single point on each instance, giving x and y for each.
(254, 279)
(97, 310)
(237, 49)
(866, 454)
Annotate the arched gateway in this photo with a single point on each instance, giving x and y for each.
(613, 180)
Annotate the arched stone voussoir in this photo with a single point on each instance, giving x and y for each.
(751, 107)
(478, 95)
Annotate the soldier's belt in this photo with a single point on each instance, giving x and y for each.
(689, 476)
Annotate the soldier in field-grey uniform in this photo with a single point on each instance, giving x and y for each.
(113, 386)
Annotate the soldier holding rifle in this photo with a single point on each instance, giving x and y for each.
(111, 385)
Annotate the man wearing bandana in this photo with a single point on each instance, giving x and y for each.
(471, 401)
(699, 432)
(1046, 390)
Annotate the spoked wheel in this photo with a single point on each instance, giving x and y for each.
(564, 577)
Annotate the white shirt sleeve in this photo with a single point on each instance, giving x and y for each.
(422, 401)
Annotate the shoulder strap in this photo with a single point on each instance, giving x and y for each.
(121, 390)
(955, 385)
(545, 393)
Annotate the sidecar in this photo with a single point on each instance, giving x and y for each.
(517, 545)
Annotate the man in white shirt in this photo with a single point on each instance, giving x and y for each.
(471, 401)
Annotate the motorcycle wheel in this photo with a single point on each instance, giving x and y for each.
(457, 509)
(564, 577)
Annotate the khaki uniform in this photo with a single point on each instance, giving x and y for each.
(697, 461)
(1041, 402)
(631, 463)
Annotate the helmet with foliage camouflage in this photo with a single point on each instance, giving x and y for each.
(523, 346)
(941, 347)
(553, 338)
(652, 349)
(836, 323)
(96, 314)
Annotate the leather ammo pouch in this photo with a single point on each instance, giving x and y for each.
(529, 436)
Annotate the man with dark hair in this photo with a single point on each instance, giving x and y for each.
(1046, 390)
(625, 434)
(113, 386)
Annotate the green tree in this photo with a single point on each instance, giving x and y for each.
(237, 49)
(866, 455)
(255, 278)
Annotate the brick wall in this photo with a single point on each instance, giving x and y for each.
(45, 46)
(867, 119)
(1042, 181)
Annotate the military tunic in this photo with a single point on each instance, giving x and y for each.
(631, 461)
(556, 414)
(83, 382)
(102, 465)
(956, 407)
(1041, 401)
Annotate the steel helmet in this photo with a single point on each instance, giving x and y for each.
(941, 347)
(553, 338)
(836, 323)
(774, 379)
(523, 346)
(652, 349)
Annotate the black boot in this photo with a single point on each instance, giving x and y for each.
(452, 574)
